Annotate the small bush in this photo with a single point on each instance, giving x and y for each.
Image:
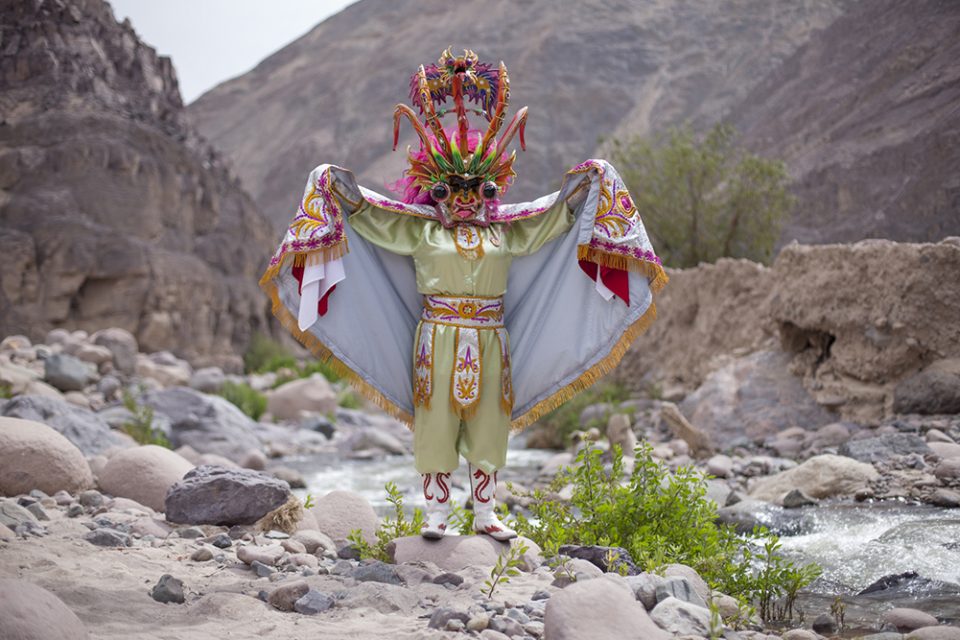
(389, 529)
(660, 518)
(266, 354)
(246, 398)
(140, 426)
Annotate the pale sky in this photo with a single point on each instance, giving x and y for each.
(214, 40)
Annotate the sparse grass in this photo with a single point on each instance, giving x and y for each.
(140, 426)
(246, 398)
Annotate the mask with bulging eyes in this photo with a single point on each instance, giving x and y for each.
(465, 171)
(465, 198)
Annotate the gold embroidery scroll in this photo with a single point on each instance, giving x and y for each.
(465, 378)
(506, 378)
(423, 366)
(468, 241)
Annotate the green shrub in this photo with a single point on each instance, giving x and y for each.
(246, 398)
(140, 426)
(508, 566)
(565, 419)
(706, 198)
(389, 529)
(659, 518)
(266, 354)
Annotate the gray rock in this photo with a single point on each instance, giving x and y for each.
(824, 625)
(518, 615)
(202, 554)
(600, 610)
(209, 424)
(681, 618)
(506, 626)
(313, 602)
(644, 586)
(74, 511)
(377, 571)
(285, 597)
(30, 612)
(13, 515)
(109, 386)
(208, 379)
(720, 465)
(168, 589)
(66, 373)
(267, 555)
(38, 511)
(447, 578)
(797, 498)
(320, 424)
(936, 389)
(85, 429)
(90, 498)
(679, 588)
(217, 495)
(443, 615)
(122, 345)
(291, 476)
(220, 541)
(105, 537)
(385, 598)
(941, 497)
(906, 620)
(262, 570)
(190, 533)
(607, 559)
(939, 632)
(884, 446)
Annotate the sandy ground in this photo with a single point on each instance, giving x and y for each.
(109, 589)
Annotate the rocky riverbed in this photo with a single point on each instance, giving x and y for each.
(103, 537)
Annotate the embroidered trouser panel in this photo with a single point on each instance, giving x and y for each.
(463, 392)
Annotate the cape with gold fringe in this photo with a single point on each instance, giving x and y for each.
(571, 309)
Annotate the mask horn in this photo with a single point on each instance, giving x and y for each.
(496, 122)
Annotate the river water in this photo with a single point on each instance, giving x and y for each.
(855, 544)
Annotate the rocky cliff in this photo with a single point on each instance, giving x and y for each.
(871, 328)
(583, 67)
(865, 115)
(113, 211)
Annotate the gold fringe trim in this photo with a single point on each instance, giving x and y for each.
(311, 342)
(655, 274)
(591, 375)
(300, 259)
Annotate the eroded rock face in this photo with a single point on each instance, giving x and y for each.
(857, 321)
(142, 226)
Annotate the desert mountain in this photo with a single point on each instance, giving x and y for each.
(583, 66)
(113, 212)
(867, 116)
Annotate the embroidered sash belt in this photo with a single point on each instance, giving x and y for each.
(464, 311)
(467, 314)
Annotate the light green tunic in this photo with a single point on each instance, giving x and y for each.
(439, 434)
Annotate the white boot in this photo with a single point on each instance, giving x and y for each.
(484, 489)
(436, 493)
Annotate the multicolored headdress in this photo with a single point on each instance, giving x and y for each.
(463, 171)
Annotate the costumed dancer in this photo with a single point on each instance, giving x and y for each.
(410, 299)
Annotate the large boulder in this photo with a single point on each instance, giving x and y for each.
(340, 512)
(34, 456)
(85, 429)
(819, 477)
(144, 474)
(884, 446)
(753, 397)
(935, 389)
(598, 609)
(29, 612)
(311, 395)
(453, 553)
(209, 424)
(219, 495)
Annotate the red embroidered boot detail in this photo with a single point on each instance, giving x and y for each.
(485, 520)
(436, 493)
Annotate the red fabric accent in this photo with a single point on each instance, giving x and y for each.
(323, 303)
(617, 280)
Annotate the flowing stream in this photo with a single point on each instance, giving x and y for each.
(855, 544)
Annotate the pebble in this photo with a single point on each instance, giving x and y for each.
(540, 594)
(220, 541)
(377, 571)
(168, 589)
(90, 498)
(285, 596)
(449, 579)
(63, 498)
(506, 626)
(104, 537)
(261, 569)
(191, 532)
(443, 615)
(74, 511)
(292, 546)
(38, 511)
(313, 602)
(824, 625)
(478, 622)
(202, 555)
